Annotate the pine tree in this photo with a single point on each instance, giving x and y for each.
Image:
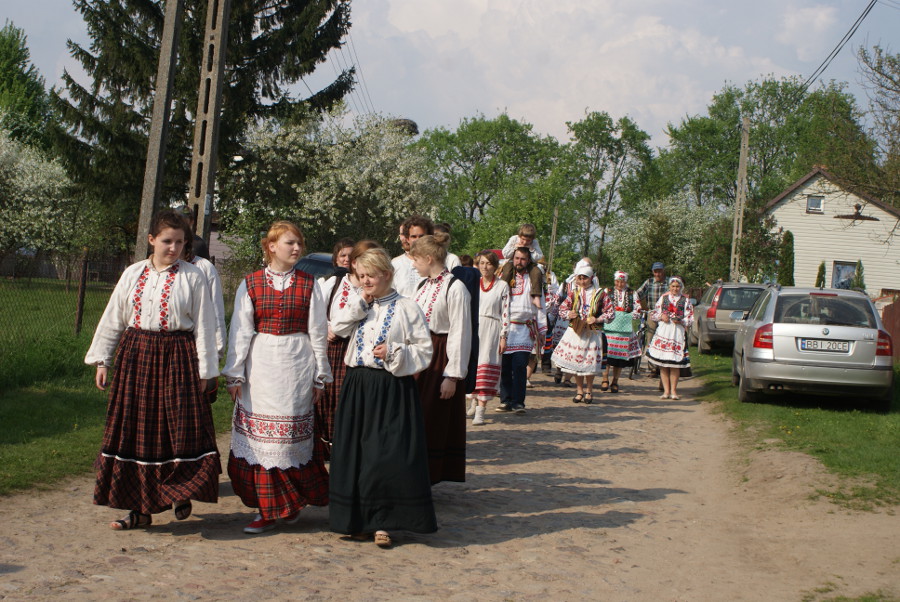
(820, 276)
(786, 260)
(272, 44)
(23, 99)
(859, 279)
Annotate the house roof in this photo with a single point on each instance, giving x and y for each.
(820, 171)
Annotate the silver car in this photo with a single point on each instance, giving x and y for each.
(713, 322)
(809, 340)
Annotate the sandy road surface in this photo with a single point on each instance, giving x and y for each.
(633, 498)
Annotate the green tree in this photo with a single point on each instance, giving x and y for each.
(786, 260)
(881, 76)
(859, 279)
(605, 153)
(820, 276)
(272, 44)
(23, 99)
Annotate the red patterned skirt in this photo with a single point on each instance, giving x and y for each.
(327, 406)
(159, 443)
(279, 492)
(445, 419)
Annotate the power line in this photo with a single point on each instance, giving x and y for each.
(338, 57)
(348, 61)
(359, 65)
(890, 4)
(831, 56)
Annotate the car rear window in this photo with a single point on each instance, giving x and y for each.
(738, 298)
(821, 309)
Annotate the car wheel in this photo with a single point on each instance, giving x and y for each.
(702, 347)
(745, 395)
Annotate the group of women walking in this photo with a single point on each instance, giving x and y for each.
(347, 370)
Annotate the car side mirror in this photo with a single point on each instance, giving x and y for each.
(694, 302)
(738, 315)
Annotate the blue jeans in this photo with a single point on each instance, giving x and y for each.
(513, 378)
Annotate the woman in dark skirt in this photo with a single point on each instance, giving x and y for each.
(159, 443)
(447, 306)
(337, 295)
(379, 467)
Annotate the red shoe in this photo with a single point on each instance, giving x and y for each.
(259, 525)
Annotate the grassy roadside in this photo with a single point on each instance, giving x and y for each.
(52, 430)
(856, 444)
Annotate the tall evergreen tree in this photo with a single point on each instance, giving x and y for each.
(23, 99)
(272, 44)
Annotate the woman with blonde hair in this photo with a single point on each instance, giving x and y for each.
(276, 370)
(379, 467)
(446, 303)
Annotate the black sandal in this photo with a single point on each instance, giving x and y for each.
(589, 398)
(614, 388)
(182, 511)
(132, 521)
(578, 398)
(604, 385)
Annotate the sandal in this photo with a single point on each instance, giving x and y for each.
(134, 520)
(360, 536)
(614, 388)
(183, 510)
(604, 385)
(382, 539)
(589, 398)
(578, 398)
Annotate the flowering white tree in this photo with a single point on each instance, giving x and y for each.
(35, 212)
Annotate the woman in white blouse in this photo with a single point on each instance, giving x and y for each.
(276, 369)
(159, 443)
(447, 306)
(493, 324)
(379, 465)
(668, 347)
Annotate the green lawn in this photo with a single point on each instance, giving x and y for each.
(850, 440)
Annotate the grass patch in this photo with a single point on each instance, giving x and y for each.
(53, 430)
(851, 441)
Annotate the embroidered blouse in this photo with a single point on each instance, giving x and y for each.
(215, 291)
(521, 308)
(679, 307)
(494, 304)
(625, 300)
(342, 295)
(243, 329)
(176, 298)
(447, 306)
(586, 302)
(392, 320)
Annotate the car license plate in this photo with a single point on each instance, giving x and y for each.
(824, 345)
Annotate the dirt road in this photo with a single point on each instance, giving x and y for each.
(633, 498)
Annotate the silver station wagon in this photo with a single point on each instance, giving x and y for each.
(809, 340)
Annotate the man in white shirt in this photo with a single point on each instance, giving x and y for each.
(527, 323)
(406, 278)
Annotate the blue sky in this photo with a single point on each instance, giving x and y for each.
(548, 62)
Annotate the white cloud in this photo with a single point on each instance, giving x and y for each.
(804, 29)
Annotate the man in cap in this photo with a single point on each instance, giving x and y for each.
(649, 293)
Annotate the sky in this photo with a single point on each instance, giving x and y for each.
(546, 62)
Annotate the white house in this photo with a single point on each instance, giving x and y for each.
(839, 227)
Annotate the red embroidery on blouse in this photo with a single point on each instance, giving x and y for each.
(137, 298)
(438, 285)
(345, 293)
(164, 298)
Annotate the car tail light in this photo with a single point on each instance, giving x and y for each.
(885, 346)
(711, 312)
(763, 337)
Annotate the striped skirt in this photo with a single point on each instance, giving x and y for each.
(327, 406)
(159, 443)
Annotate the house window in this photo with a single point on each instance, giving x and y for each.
(815, 204)
(842, 274)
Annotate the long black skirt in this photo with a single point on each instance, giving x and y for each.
(159, 444)
(379, 467)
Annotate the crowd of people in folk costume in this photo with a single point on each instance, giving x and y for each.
(368, 370)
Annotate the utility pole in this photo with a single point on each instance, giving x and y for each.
(209, 105)
(159, 126)
(740, 202)
(552, 245)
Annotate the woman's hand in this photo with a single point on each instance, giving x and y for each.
(502, 346)
(234, 391)
(591, 320)
(572, 315)
(448, 388)
(318, 395)
(331, 336)
(367, 297)
(380, 351)
(100, 379)
(203, 383)
(664, 317)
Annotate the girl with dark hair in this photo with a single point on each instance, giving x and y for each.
(159, 443)
(276, 370)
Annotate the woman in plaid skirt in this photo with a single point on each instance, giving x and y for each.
(159, 443)
(379, 466)
(276, 370)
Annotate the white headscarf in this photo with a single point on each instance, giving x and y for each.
(620, 275)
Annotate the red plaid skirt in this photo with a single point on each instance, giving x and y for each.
(279, 492)
(159, 444)
(327, 406)
(445, 419)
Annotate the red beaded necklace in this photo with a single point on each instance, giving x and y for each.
(481, 283)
